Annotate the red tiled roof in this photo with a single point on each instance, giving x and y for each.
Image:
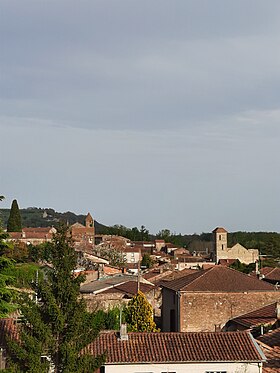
(7, 327)
(219, 230)
(178, 274)
(227, 262)
(270, 273)
(38, 230)
(218, 279)
(130, 288)
(272, 365)
(271, 338)
(264, 315)
(175, 347)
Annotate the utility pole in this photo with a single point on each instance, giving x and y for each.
(139, 270)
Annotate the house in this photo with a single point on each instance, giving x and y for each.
(222, 251)
(205, 300)
(132, 254)
(33, 236)
(108, 292)
(189, 261)
(83, 234)
(178, 352)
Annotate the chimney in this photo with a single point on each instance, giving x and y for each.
(257, 268)
(123, 333)
(23, 235)
(277, 309)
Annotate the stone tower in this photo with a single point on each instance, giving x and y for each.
(89, 221)
(220, 244)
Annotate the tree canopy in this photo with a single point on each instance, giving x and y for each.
(55, 322)
(139, 314)
(14, 221)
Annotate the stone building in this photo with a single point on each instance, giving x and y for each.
(83, 234)
(206, 299)
(34, 236)
(222, 251)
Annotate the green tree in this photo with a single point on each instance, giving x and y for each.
(139, 314)
(146, 261)
(55, 323)
(14, 221)
(7, 295)
(164, 234)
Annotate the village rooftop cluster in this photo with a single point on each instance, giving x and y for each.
(212, 318)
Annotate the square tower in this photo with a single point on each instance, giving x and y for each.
(220, 243)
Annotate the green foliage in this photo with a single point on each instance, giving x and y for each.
(147, 261)
(109, 320)
(14, 221)
(7, 295)
(113, 255)
(139, 314)
(133, 234)
(57, 325)
(24, 274)
(46, 217)
(241, 267)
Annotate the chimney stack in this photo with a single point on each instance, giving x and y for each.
(277, 309)
(123, 333)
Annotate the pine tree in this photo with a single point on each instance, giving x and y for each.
(139, 314)
(55, 323)
(14, 221)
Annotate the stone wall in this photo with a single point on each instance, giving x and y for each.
(211, 311)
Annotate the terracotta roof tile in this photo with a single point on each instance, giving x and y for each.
(271, 338)
(175, 347)
(264, 315)
(270, 273)
(130, 288)
(272, 365)
(218, 278)
(219, 230)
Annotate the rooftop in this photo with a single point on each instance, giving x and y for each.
(218, 279)
(219, 230)
(105, 283)
(176, 347)
(264, 315)
(271, 273)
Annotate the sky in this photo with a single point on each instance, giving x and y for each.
(162, 113)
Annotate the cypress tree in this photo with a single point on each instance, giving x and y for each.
(14, 221)
(55, 324)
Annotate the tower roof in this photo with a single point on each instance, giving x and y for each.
(219, 230)
(89, 217)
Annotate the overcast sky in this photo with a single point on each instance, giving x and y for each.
(154, 112)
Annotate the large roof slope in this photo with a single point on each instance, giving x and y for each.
(175, 347)
(218, 279)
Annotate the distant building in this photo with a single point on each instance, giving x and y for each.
(34, 236)
(83, 234)
(222, 251)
